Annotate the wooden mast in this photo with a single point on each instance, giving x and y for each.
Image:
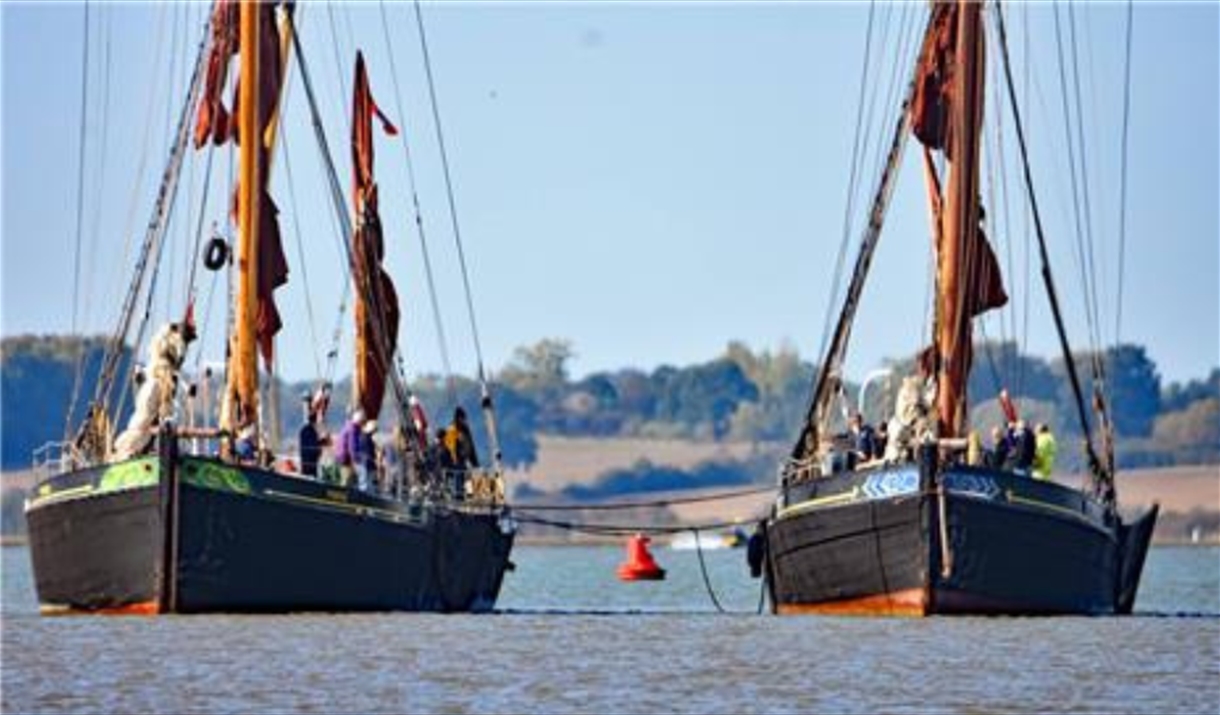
(960, 222)
(243, 359)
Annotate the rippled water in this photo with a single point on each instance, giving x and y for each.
(571, 638)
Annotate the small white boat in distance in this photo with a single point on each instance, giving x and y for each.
(730, 539)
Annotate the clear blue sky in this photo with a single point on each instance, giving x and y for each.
(647, 180)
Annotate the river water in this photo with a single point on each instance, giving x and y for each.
(569, 637)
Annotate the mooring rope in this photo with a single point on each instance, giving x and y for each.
(656, 504)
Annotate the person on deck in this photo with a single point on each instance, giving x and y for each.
(246, 448)
(1045, 449)
(880, 439)
(460, 441)
(460, 444)
(439, 460)
(310, 442)
(345, 450)
(997, 455)
(1023, 445)
(863, 439)
(365, 457)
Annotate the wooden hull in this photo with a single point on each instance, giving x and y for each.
(212, 537)
(972, 542)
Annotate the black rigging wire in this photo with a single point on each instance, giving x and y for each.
(852, 183)
(80, 200)
(1081, 254)
(655, 504)
(419, 221)
(1091, 286)
(1103, 484)
(296, 228)
(1122, 201)
(453, 216)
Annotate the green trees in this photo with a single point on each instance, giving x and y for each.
(741, 395)
(1133, 387)
(37, 374)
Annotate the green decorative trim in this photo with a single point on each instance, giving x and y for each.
(132, 474)
(216, 477)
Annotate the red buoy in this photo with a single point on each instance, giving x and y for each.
(640, 565)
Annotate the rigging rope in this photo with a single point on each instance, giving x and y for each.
(296, 227)
(158, 222)
(419, 221)
(856, 161)
(486, 401)
(525, 517)
(380, 341)
(1081, 233)
(100, 170)
(80, 199)
(336, 196)
(1122, 201)
(656, 504)
(1103, 479)
(1095, 318)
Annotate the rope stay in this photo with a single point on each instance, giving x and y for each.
(824, 387)
(1122, 201)
(1102, 475)
(433, 299)
(485, 398)
(657, 504)
(153, 237)
(336, 194)
(852, 182)
(80, 199)
(380, 342)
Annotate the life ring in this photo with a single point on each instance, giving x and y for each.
(216, 255)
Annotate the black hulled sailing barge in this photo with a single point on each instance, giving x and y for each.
(140, 525)
(926, 530)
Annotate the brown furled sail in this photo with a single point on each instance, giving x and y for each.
(947, 115)
(376, 303)
(248, 29)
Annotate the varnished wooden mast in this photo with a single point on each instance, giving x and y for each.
(243, 358)
(960, 222)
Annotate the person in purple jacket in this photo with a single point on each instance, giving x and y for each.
(347, 447)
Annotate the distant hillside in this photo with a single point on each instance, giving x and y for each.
(738, 397)
(37, 374)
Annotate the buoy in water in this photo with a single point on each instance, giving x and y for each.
(640, 566)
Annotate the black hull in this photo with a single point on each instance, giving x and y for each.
(973, 542)
(217, 538)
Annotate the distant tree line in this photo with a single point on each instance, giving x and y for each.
(740, 395)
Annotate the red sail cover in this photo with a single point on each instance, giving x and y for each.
(376, 305)
(930, 107)
(216, 123)
(931, 114)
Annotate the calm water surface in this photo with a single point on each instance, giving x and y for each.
(571, 638)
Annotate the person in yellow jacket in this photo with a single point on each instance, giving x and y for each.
(1045, 449)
